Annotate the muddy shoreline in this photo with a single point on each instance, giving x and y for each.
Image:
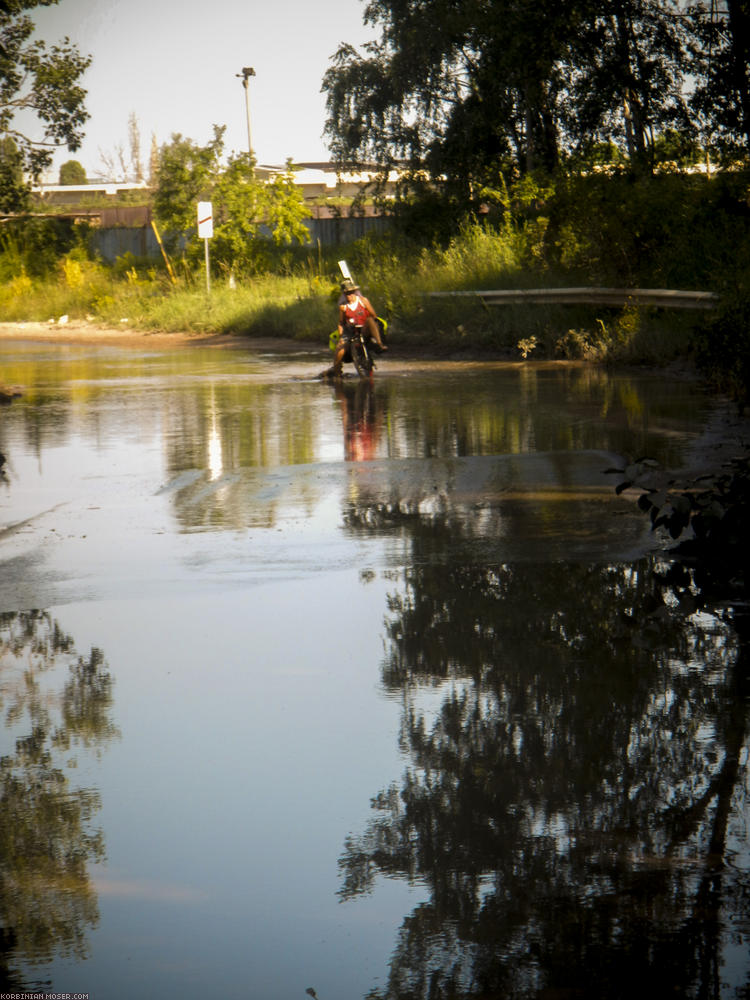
(80, 332)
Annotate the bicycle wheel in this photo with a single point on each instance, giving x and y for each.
(361, 359)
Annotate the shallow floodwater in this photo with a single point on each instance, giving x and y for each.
(371, 690)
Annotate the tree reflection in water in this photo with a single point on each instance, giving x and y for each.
(575, 803)
(54, 702)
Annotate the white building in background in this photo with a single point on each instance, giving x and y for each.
(125, 225)
(318, 180)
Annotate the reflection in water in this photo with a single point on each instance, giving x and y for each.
(573, 719)
(362, 415)
(576, 794)
(215, 456)
(218, 415)
(226, 442)
(47, 840)
(528, 507)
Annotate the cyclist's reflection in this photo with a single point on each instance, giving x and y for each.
(362, 419)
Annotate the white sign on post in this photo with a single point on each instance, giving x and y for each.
(205, 220)
(205, 232)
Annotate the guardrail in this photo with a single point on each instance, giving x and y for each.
(667, 298)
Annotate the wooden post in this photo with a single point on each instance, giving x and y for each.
(164, 253)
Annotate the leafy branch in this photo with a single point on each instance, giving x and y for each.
(709, 515)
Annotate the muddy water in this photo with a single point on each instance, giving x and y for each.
(370, 690)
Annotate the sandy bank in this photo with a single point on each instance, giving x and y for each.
(81, 332)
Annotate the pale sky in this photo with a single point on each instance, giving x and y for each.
(173, 63)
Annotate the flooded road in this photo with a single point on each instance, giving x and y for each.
(375, 690)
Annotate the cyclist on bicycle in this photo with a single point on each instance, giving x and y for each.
(354, 310)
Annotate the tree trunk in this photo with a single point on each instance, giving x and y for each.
(632, 107)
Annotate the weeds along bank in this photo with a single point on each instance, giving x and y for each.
(670, 231)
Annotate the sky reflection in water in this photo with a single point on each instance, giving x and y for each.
(271, 601)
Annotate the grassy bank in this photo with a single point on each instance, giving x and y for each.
(668, 232)
(396, 276)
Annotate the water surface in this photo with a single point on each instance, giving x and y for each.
(378, 690)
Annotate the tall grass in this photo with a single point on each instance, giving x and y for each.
(270, 305)
(590, 231)
(302, 305)
(145, 297)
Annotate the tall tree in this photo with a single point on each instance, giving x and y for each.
(153, 161)
(134, 143)
(464, 92)
(738, 22)
(243, 205)
(42, 82)
(627, 76)
(72, 172)
(186, 175)
(722, 96)
(14, 191)
(454, 88)
(121, 164)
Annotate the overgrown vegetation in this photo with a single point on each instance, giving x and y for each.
(708, 519)
(668, 231)
(250, 216)
(479, 92)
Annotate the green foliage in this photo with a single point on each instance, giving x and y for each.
(723, 342)
(14, 190)
(453, 89)
(185, 176)
(268, 306)
(35, 246)
(590, 154)
(246, 209)
(709, 517)
(238, 205)
(674, 150)
(460, 96)
(249, 213)
(41, 82)
(666, 231)
(72, 172)
(286, 209)
(628, 65)
(721, 96)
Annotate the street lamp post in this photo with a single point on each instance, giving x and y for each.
(247, 72)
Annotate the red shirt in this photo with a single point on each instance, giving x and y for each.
(355, 312)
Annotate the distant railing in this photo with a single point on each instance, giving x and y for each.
(667, 298)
